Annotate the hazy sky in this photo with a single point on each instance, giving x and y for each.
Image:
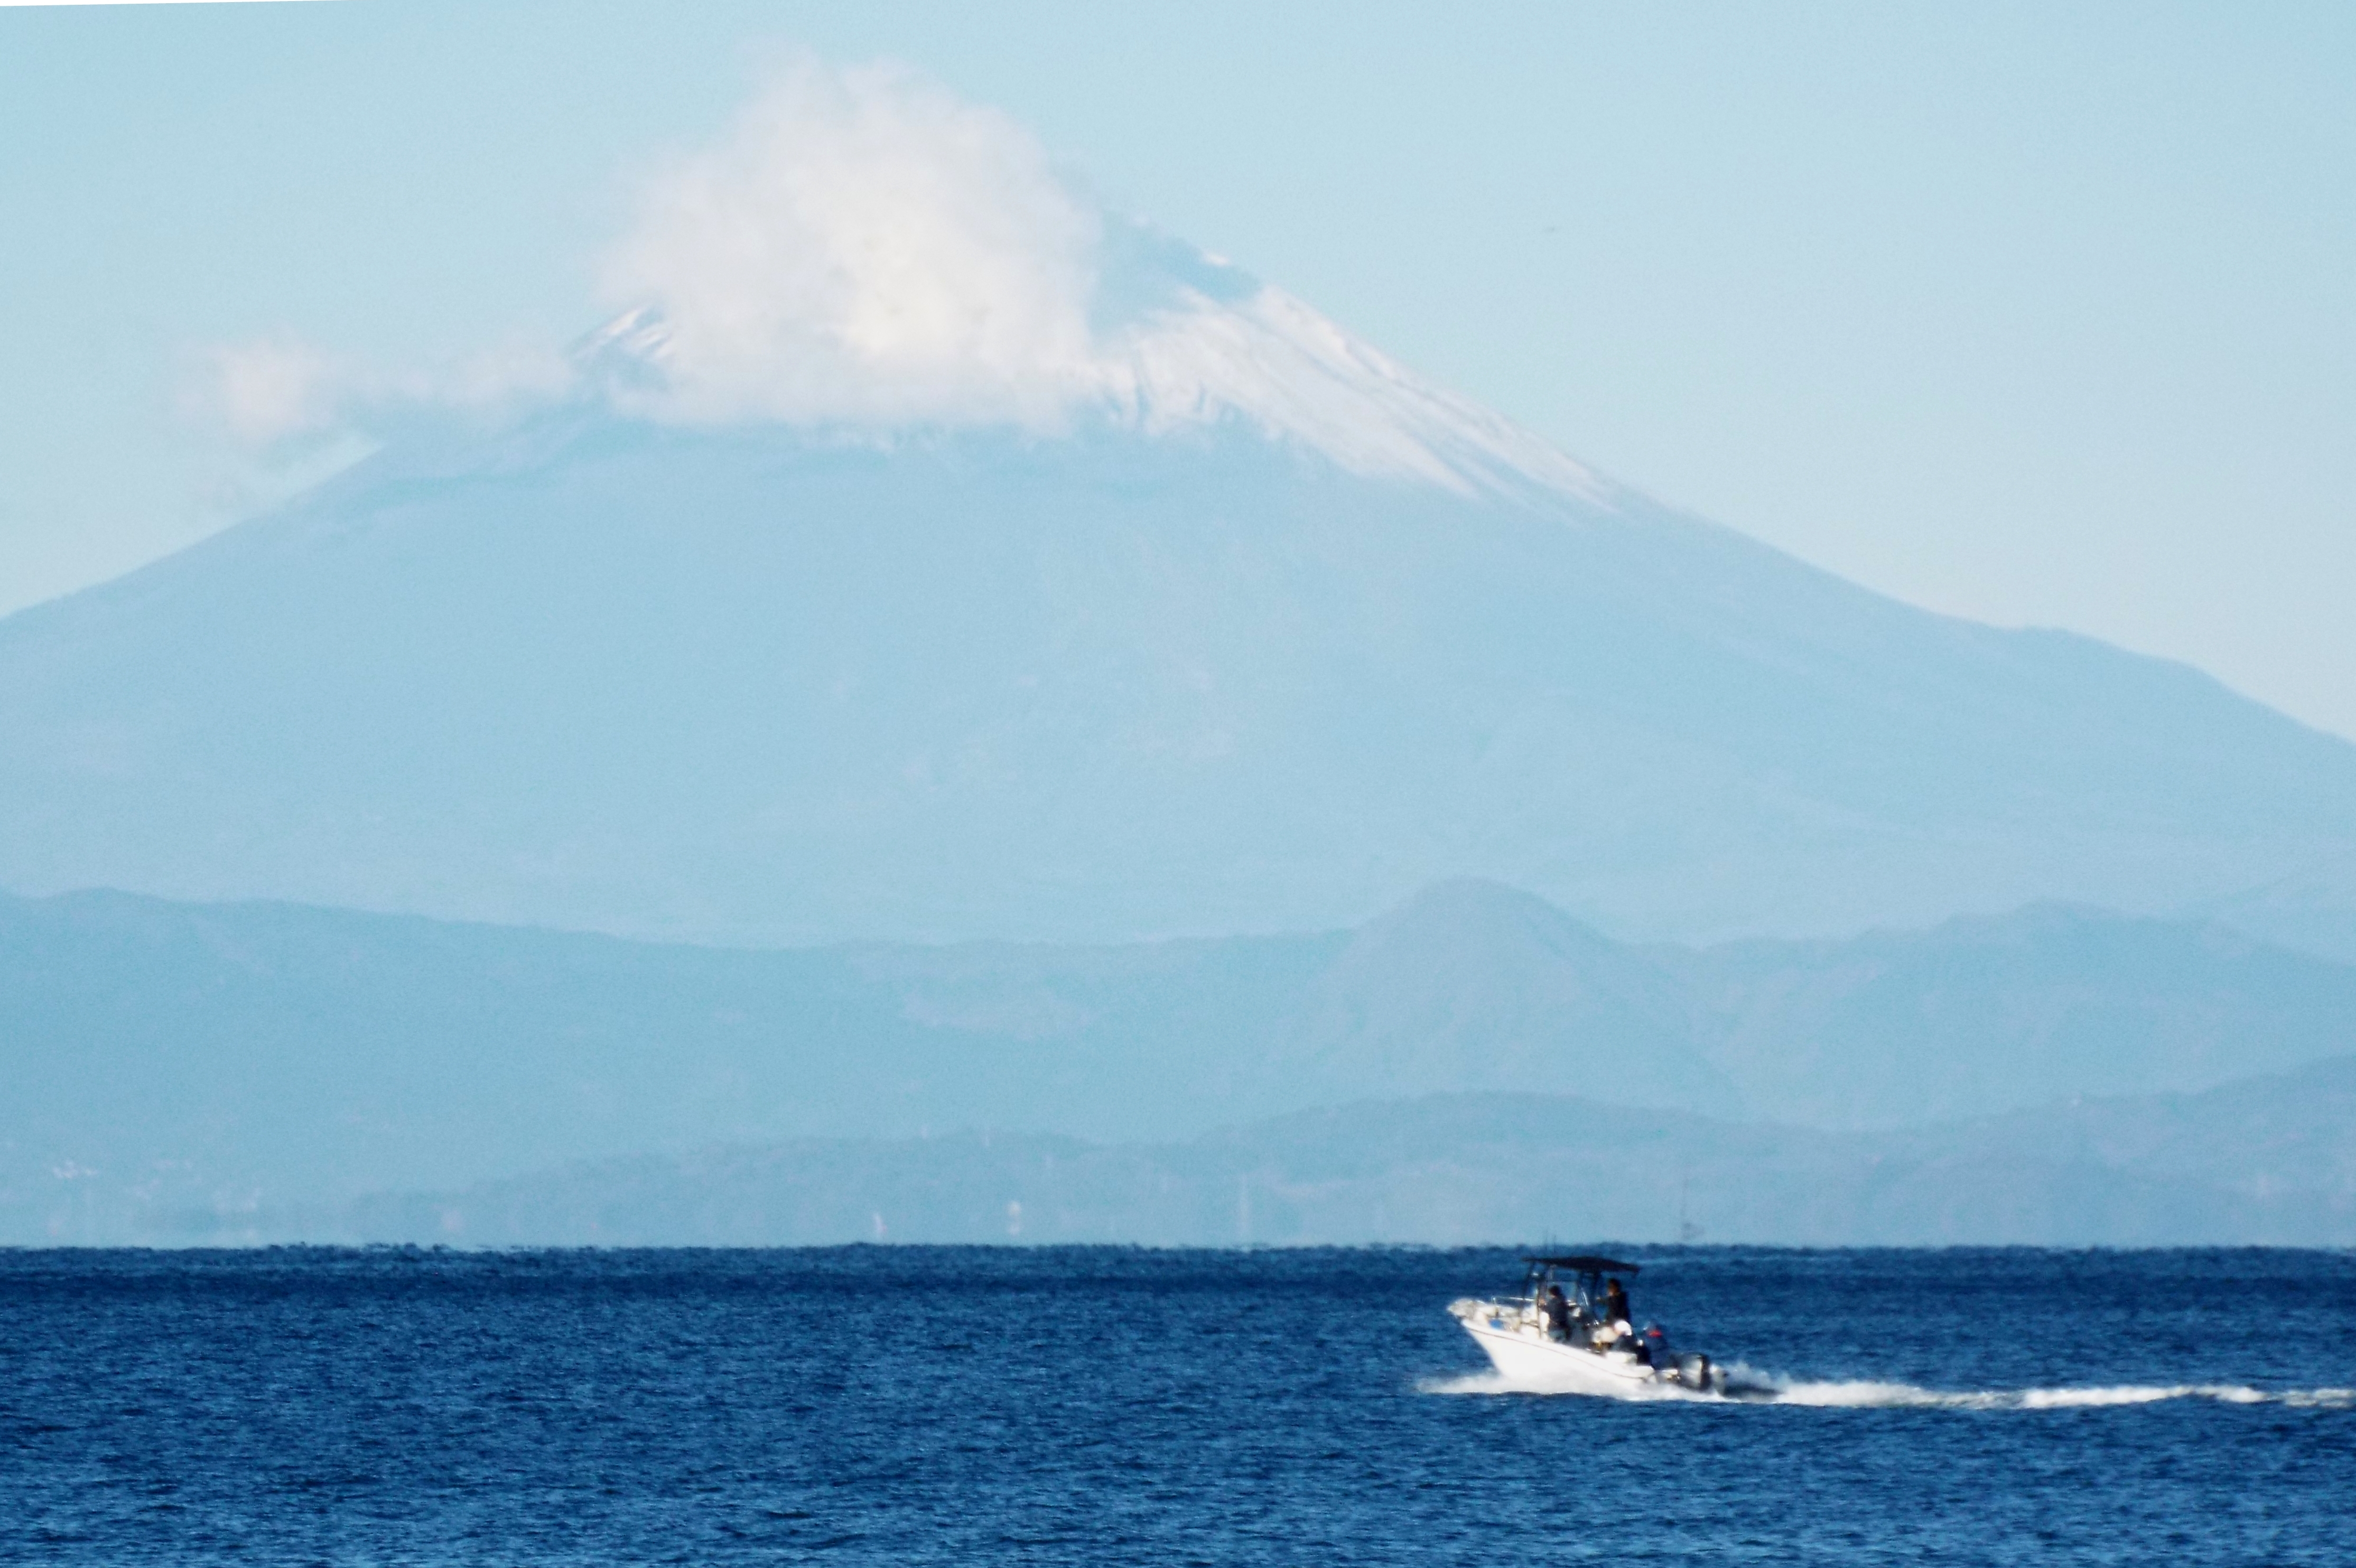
(2032, 314)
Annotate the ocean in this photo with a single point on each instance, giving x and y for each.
(1111, 1405)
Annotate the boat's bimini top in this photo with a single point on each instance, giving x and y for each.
(1583, 1265)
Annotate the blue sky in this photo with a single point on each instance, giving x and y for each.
(2038, 314)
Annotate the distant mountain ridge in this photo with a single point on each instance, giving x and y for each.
(2268, 1161)
(213, 1060)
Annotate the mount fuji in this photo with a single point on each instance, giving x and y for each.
(1075, 586)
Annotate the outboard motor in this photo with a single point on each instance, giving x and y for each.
(1694, 1370)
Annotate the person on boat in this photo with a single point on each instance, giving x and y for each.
(1615, 1306)
(1558, 1312)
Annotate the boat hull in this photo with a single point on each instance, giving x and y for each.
(1527, 1356)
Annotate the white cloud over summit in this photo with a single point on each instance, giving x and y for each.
(865, 252)
(865, 248)
(270, 392)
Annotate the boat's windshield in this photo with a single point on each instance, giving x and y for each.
(1581, 1280)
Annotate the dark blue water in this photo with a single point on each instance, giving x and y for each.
(918, 1406)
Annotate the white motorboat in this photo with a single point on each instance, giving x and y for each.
(1562, 1332)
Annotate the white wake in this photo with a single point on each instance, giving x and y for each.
(1746, 1386)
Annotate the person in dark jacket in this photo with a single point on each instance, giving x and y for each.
(1615, 1304)
(1557, 1311)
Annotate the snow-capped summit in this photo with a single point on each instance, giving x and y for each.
(1268, 360)
(864, 253)
(1176, 339)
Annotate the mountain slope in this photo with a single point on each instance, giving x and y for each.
(1470, 986)
(754, 684)
(925, 552)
